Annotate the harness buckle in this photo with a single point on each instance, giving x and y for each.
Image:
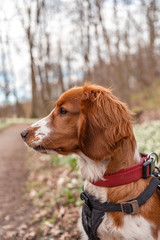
(149, 165)
(131, 207)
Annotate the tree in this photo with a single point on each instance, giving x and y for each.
(26, 13)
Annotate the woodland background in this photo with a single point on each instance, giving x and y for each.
(49, 46)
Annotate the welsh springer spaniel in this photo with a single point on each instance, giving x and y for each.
(91, 122)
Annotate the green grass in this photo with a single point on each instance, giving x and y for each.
(70, 192)
(5, 122)
(70, 160)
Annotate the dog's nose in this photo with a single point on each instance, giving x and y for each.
(24, 134)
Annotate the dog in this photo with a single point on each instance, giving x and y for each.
(91, 122)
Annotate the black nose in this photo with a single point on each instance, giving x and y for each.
(24, 134)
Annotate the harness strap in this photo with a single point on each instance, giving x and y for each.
(93, 210)
(91, 219)
(129, 207)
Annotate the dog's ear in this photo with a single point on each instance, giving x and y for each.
(104, 122)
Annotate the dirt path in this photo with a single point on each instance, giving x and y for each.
(14, 209)
(47, 219)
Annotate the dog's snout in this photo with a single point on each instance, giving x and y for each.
(24, 134)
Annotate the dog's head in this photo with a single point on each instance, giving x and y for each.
(88, 119)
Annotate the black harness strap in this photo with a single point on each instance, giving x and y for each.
(93, 210)
(91, 219)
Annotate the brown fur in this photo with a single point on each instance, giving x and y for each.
(99, 125)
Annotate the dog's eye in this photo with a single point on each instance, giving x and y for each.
(62, 111)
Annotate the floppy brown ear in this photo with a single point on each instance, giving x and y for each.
(104, 122)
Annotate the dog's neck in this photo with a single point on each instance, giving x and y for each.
(126, 155)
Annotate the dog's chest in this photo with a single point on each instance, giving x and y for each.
(132, 227)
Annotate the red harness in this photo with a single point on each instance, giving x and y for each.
(143, 169)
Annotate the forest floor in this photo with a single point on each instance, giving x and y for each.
(14, 209)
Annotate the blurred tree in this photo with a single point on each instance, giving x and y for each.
(35, 16)
(112, 43)
(26, 13)
(4, 84)
(152, 14)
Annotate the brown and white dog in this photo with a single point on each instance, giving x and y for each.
(91, 122)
